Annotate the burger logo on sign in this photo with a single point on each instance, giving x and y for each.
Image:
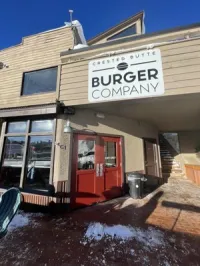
(132, 75)
(122, 66)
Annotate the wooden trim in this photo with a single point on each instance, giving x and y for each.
(157, 159)
(94, 133)
(21, 84)
(144, 157)
(52, 153)
(29, 134)
(70, 161)
(23, 171)
(3, 130)
(41, 110)
(58, 82)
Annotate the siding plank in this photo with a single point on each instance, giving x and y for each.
(36, 52)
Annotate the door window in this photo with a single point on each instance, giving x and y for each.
(110, 154)
(86, 154)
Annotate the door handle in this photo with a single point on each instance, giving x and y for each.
(101, 169)
(97, 169)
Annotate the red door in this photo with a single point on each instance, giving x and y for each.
(96, 170)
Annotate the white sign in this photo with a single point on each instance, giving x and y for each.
(127, 76)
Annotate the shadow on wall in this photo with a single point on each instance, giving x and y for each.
(119, 124)
(132, 131)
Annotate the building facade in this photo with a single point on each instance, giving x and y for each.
(79, 120)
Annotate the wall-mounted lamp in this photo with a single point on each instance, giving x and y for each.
(67, 127)
(2, 65)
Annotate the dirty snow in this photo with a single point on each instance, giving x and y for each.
(22, 219)
(149, 237)
(18, 221)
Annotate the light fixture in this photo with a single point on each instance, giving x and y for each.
(2, 65)
(67, 127)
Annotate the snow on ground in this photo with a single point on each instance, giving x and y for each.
(22, 219)
(149, 237)
(18, 221)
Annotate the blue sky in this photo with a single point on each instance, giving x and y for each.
(25, 17)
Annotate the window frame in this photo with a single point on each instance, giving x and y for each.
(36, 70)
(110, 38)
(27, 134)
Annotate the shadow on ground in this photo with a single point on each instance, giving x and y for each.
(167, 222)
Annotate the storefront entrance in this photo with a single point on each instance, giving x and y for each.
(96, 169)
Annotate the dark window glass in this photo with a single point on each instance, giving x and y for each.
(86, 149)
(39, 81)
(110, 154)
(12, 161)
(127, 32)
(17, 127)
(38, 162)
(42, 126)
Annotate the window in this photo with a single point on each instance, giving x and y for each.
(27, 147)
(110, 154)
(127, 32)
(39, 81)
(86, 152)
(12, 161)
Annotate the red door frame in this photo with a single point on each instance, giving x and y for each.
(81, 135)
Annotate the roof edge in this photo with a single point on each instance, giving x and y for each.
(111, 30)
(32, 35)
(131, 38)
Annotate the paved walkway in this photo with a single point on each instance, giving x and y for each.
(164, 229)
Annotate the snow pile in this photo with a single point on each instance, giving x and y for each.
(150, 237)
(21, 220)
(97, 231)
(18, 221)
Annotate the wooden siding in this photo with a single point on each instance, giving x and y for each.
(36, 52)
(181, 66)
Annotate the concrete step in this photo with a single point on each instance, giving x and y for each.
(166, 157)
(170, 162)
(174, 175)
(174, 166)
(172, 171)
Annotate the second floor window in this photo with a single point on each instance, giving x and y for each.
(125, 33)
(39, 81)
